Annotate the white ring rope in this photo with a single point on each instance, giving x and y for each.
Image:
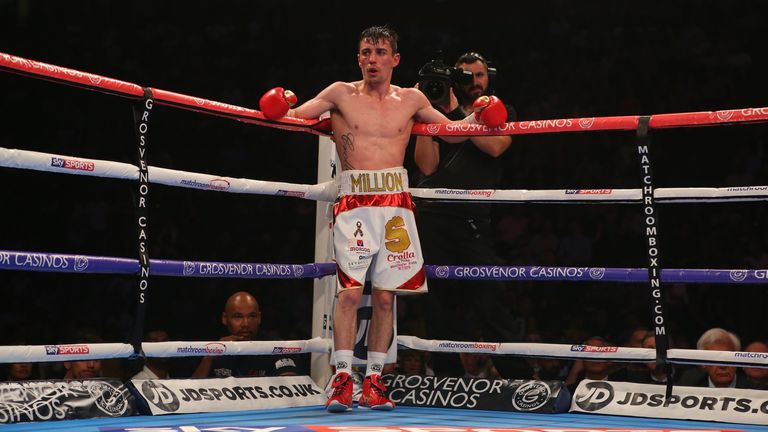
(328, 191)
(72, 352)
(25, 159)
(580, 351)
(94, 351)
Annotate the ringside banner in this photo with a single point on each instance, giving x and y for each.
(476, 393)
(27, 401)
(687, 403)
(173, 396)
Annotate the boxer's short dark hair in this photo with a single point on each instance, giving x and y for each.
(376, 33)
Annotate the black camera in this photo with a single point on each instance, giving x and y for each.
(436, 79)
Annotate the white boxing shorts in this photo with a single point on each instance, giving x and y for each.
(374, 228)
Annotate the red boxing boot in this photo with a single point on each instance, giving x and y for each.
(375, 394)
(341, 398)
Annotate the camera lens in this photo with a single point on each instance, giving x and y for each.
(436, 91)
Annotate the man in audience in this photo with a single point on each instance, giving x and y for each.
(242, 318)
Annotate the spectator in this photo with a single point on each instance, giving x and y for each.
(478, 366)
(412, 362)
(637, 371)
(242, 318)
(716, 339)
(757, 377)
(549, 369)
(22, 372)
(598, 370)
(84, 369)
(653, 374)
(155, 367)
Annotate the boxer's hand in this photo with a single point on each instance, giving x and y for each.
(276, 103)
(490, 111)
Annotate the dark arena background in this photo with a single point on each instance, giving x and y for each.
(555, 59)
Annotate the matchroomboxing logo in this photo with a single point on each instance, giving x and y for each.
(211, 348)
(470, 346)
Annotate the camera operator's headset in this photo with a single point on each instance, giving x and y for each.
(491, 70)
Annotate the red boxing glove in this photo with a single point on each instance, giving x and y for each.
(276, 103)
(490, 111)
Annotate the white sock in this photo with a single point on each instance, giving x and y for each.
(375, 363)
(344, 361)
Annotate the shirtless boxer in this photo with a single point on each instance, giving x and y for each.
(371, 122)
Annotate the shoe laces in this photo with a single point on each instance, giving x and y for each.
(340, 385)
(377, 386)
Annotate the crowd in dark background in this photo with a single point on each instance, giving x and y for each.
(556, 59)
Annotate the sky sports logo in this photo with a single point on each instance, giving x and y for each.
(285, 350)
(66, 349)
(72, 164)
(590, 348)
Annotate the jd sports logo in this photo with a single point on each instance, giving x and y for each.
(598, 395)
(160, 396)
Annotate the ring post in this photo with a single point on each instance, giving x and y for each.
(324, 288)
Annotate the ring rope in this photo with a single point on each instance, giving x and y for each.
(95, 351)
(328, 191)
(25, 159)
(89, 81)
(35, 69)
(565, 351)
(45, 353)
(69, 263)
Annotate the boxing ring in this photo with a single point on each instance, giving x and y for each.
(325, 192)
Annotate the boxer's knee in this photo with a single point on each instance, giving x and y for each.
(382, 300)
(349, 298)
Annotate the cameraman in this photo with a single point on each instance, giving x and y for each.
(462, 234)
